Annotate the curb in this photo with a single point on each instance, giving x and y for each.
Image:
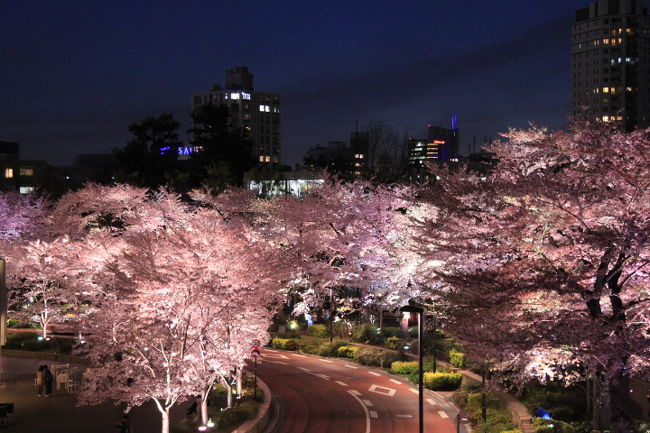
(259, 423)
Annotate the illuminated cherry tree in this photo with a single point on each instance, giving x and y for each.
(541, 264)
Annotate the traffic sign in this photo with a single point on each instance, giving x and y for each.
(256, 343)
(255, 352)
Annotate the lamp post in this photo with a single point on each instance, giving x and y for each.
(419, 311)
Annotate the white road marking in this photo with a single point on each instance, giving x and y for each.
(396, 381)
(382, 390)
(304, 369)
(325, 360)
(299, 355)
(323, 376)
(430, 401)
(276, 355)
(365, 409)
(350, 366)
(403, 416)
(352, 391)
(374, 374)
(373, 414)
(414, 391)
(341, 383)
(367, 403)
(443, 414)
(277, 362)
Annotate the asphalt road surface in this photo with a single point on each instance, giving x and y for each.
(321, 395)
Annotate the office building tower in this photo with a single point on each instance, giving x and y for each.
(255, 114)
(610, 69)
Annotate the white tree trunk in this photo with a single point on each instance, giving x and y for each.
(165, 421)
(229, 397)
(204, 411)
(44, 330)
(239, 381)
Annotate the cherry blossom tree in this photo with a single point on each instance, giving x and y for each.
(541, 266)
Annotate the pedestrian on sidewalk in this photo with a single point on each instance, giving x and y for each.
(40, 380)
(124, 425)
(48, 378)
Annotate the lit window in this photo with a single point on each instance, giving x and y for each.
(9, 173)
(629, 89)
(605, 118)
(261, 107)
(234, 96)
(357, 164)
(267, 159)
(26, 171)
(605, 89)
(26, 189)
(246, 95)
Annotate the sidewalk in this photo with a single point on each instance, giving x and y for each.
(59, 413)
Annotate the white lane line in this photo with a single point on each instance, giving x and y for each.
(350, 366)
(341, 383)
(403, 416)
(430, 401)
(367, 403)
(396, 381)
(374, 374)
(352, 391)
(304, 369)
(382, 390)
(373, 414)
(325, 360)
(443, 414)
(323, 376)
(365, 409)
(277, 362)
(299, 355)
(277, 355)
(414, 391)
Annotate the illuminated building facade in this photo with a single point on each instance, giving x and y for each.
(255, 114)
(16, 174)
(610, 43)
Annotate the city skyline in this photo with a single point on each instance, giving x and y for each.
(77, 74)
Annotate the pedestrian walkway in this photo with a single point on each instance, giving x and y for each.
(59, 413)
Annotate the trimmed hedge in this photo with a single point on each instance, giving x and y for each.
(405, 367)
(375, 357)
(284, 344)
(367, 334)
(347, 351)
(319, 331)
(442, 381)
(457, 359)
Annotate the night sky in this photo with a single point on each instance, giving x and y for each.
(74, 74)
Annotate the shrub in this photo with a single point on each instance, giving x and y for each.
(391, 331)
(367, 334)
(457, 359)
(326, 349)
(236, 415)
(319, 331)
(284, 344)
(311, 348)
(563, 413)
(442, 381)
(552, 426)
(404, 367)
(347, 351)
(375, 357)
(392, 342)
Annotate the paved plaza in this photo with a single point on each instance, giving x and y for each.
(59, 413)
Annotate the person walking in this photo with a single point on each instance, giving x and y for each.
(40, 380)
(48, 378)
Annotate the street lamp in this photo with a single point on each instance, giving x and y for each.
(419, 311)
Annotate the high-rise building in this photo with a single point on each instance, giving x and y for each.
(610, 53)
(255, 114)
(17, 174)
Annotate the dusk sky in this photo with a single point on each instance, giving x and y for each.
(75, 74)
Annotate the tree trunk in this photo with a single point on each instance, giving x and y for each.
(44, 330)
(239, 381)
(229, 397)
(165, 421)
(381, 320)
(619, 404)
(204, 412)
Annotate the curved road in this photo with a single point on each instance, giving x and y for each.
(321, 395)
